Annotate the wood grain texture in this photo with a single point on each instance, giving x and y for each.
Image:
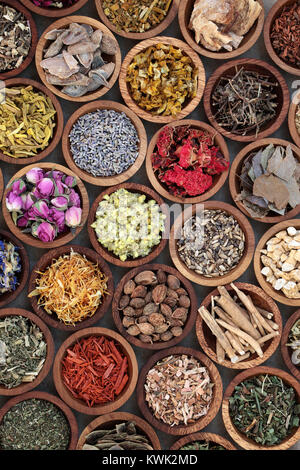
(34, 39)
(108, 180)
(287, 351)
(218, 180)
(1, 184)
(203, 436)
(108, 255)
(184, 15)
(43, 44)
(245, 259)
(61, 239)
(235, 171)
(257, 264)
(291, 119)
(274, 12)
(190, 104)
(58, 119)
(42, 265)
(236, 435)
(54, 12)
(26, 387)
(207, 340)
(139, 36)
(117, 315)
(80, 405)
(53, 399)
(229, 69)
(108, 421)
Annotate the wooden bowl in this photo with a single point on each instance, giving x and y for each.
(26, 387)
(274, 12)
(291, 119)
(218, 180)
(43, 44)
(236, 435)
(235, 171)
(207, 340)
(54, 12)
(286, 351)
(108, 180)
(61, 239)
(245, 260)
(111, 419)
(140, 36)
(41, 266)
(255, 65)
(180, 430)
(59, 122)
(22, 276)
(108, 255)
(184, 15)
(34, 39)
(257, 264)
(1, 184)
(117, 316)
(79, 405)
(188, 107)
(53, 399)
(202, 436)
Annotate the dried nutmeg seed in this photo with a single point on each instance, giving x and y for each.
(127, 321)
(173, 282)
(124, 302)
(176, 331)
(150, 308)
(146, 338)
(161, 276)
(146, 278)
(139, 291)
(167, 336)
(159, 293)
(146, 328)
(156, 319)
(184, 301)
(129, 287)
(133, 330)
(166, 309)
(137, 302)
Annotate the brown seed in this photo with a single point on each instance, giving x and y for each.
(179, 313)
(139, 291)
(145, 338)
(146, 278)
(167, 336)
(161, 276)
(175, 322)
(161, 328)
(138, 312)
(172, 293)
(173, 282)
(155, 337)
(129, 287)
(181, 291)
(137, 302)
(170, 301)
(176, 331)
(129, 312)
(159, 293)
(133, 330)
(148, 297)
(156, 319)
(124, 302)
(184, 301)
(142, 319)
(150, 308)
(146, 328)
(127, 321)
(165, 309)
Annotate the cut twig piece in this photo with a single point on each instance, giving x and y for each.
(235, 344)
(272, 324)
(260, 319)
(243, 357)
(265, 313)
(220, 351)
(224, 315)
(223, 291)
(244, 335)
(266, 338)
(234, 312)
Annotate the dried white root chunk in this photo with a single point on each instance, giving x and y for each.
(279, 284)
(266, 271)
(291, 231)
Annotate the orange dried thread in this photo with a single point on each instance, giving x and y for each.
(72, 287)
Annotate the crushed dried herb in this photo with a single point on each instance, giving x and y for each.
(294, 343)
(202, 445)
(10, 266)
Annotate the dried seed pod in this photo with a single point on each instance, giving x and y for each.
(133, 330)
(176, 331)
(159, 293)
(124, 302)
(148, 298)
(146, 328)
(129, 312)
(167, 336)
(127, 321)
(162, 328)
(146, 278)
(129, 287)
(138, 312)
(145, 338)
(172, 293)
(179, 313)
(161, 276)
(156, 319)
(184, 301)
(142, 319)
(150, 308)
(166, 309)
(170, 301)
(139, 291)
(175, 322)
(155, 338)
(137, 302)
(173, 282)
(181, 291)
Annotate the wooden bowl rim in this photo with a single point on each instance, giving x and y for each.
(218, 181)
(189, 107)
(291, 119)
(54, 12)
(45, 261)
(58, 130)
(249, 42)
(63, 22)
(1, 184)
(109, 256)
(34, 38)
(191, 315)
(105, 180)
(286, 350)
(116, 417)
(215, 403)
(254, 360)
(79, 405)
(236, 435)
(61, 239)
(53, 399)
(203, 436)
(245, 259)
(233, 183)
(267, 69)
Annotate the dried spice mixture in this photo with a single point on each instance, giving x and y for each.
(10, 267)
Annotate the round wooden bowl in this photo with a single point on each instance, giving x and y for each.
(180, 430)
(235, 171)
(271, 17)
(218, 180)
(44, 43)
(229, 69)
(236, 435)
(117, 316)
(54, 12)
(188, 107)
(53, 399)
(184, 15)
(207, 340)
(245, 260)
(286, 351)
(59, 122)
(109, 420)
(41, 266)
(1, 184)
(291, 119)
(22, 276)
(202, 436)
(108, 255)
(34, 39)
(140, 36)
(61, 239)
(106, 180)
(257, 264)
(80, 405)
